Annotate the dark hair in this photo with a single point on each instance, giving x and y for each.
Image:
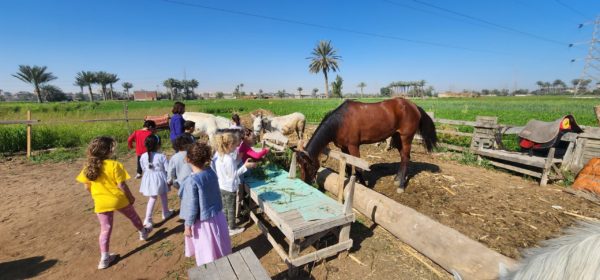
(149, 124)
(178, 108)
(199, 154)
(152, 143)
(99, 149)
(182, 142)
(188, 124)
(236, 119)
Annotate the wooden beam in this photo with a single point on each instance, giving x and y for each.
(352, 160)
(341, 179)
(323, 253)
(28, 134)
(20, 121)
(280, 251)
(516, 169)
(445, 246)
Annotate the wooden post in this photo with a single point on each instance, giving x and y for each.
(28, 134)
(597, 111)
(547, 167)
(341, 179)
(292, 172)
(345, 231)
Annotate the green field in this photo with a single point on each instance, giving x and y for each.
(66, 132)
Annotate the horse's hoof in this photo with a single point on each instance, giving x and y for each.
(400, 190)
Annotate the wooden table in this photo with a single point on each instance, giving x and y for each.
(302, 213)
(242, 265)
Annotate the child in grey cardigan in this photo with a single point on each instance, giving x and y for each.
(178, 168)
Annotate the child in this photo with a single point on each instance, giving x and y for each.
(236, 122)
(226, 166)
(179, 169)
(189, 127)
(176, 122)
(205, 231)
(245, 150)
(154, 181)
(105, 180)
(139, 137)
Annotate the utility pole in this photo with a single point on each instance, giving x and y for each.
(591, 69)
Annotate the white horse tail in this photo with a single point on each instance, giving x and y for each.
(575, 256)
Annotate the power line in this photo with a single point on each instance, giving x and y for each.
(321, 26)
(571, 8)
(506, 28)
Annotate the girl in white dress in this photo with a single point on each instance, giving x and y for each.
(154, 181)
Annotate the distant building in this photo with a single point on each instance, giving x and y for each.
(142, 95)
(456, 94)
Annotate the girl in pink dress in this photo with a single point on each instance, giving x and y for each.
(206, 233)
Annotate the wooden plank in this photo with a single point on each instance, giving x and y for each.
(204, 272)
(341, 179)
(516, 169)
(455, 133)
(323, 253)
(456, 122)
(270, 238)
(273, 215)
(224, 269)
(276, 136)
(251, 260)
(547, 167)
(352, 160)
(19, 121)
(321, 225)
(514, 157)
(240, 268)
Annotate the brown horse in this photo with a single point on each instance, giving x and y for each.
(354, 123)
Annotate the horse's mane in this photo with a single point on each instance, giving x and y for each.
(326, 130)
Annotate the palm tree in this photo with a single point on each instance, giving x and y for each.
(170, 83)
(103, 79)
(80, 82)
(314, 92)
(336, 86)
(112, 79)
(89, 78)
(300, 91)
(36, 76)
(324, 59)
(193, 83)
(362, 85)
(127, 86)
(540, 84)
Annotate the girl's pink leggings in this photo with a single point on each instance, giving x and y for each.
(164, 202)
(106, 222)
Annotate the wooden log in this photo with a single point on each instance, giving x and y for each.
(28, 134)
(443, 245)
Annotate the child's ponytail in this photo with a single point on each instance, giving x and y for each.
(100, 148)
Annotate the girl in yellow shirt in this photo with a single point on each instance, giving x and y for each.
(105, 180)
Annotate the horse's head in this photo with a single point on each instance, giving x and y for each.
(308, 166)
(257, 123)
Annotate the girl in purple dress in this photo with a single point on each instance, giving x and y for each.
(177, 121)
(206, 234)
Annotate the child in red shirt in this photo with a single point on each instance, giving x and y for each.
(245, 150)
(139, 137)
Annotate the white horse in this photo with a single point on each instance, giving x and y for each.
(207, 123)
(573, 256)
(288, 124)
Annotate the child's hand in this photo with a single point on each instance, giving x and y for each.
(250, 164)
(187, 231)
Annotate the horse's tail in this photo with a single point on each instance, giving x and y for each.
(427, 130)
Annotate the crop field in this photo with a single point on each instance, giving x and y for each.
(59, 125)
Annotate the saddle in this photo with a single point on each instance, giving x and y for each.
(161, 121)
(541, 136)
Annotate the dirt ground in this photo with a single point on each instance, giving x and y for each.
(48, 230)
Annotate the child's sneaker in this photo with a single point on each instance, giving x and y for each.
(104, 263)
(234, 231)
(167, 215)
(138, 176)
(144, 233)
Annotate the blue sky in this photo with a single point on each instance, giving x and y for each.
(253, 42)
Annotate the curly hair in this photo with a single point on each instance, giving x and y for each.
(99, 149)
(224, 138)
(199, 154)
(182, 142)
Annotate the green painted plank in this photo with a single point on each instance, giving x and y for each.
(284, 194)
